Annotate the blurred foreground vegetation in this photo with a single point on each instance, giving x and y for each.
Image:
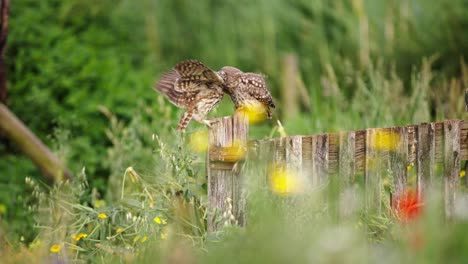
(80, 76)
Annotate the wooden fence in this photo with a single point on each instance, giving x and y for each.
(430, 150)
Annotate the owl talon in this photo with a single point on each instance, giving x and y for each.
(209, 123)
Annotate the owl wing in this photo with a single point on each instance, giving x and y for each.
(255, 85)
(188, 78)
(193, 70)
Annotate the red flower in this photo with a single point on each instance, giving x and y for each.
(407, 206)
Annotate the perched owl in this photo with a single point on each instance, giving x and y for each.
(193, 86)
(246, 88)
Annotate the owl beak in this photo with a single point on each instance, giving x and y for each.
(221, 76)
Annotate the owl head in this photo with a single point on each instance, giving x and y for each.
(229, 74)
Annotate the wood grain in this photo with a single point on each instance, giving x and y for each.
(452, 164)
(226, 194)
(425, 157)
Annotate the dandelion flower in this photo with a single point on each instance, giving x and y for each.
(79, 236)
(159, 221)
(136, 238)
(144, 239)
(462, 173)
(55, 248)
(284, 181)
(102, 215)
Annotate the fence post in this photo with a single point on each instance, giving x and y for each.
(451, 164)
(226, 194)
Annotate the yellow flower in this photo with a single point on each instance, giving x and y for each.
(385, 140)
(55, 248)
(136, 238)
(102, 215)
(163, 236)
(462, 173)
(119, 230)
(79, 236)
(159, 221)
(3, 209)
(254, 110)
(199, 141)
(144, 239)
(284, 181)
(409, 167)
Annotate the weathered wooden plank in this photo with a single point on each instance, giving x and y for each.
(333, 153)
(425, 157)
(451, 164)
(378, 141)
(278, 154)
(346, 174)
(219, 181)
(294, 164)
(226, 198)
(347, 161)
(240, 128)
(307, 157)
(412, 132)
(398, 158)
(464, 140)
(264, 159)
(280, 150)
(319, 159)
(360, 151)
(439, 143)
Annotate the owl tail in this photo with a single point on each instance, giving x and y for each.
(185, 120)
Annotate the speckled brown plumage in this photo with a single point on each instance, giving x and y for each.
(198, 89)
(193, 86)
(244, 87)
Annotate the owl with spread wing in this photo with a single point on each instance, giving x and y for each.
(193, 86)
(198, 89)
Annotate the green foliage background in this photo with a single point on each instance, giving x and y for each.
(79, 68)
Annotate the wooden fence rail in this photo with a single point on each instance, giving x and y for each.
(433, 151)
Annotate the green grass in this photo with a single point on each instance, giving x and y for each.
(80, 76)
